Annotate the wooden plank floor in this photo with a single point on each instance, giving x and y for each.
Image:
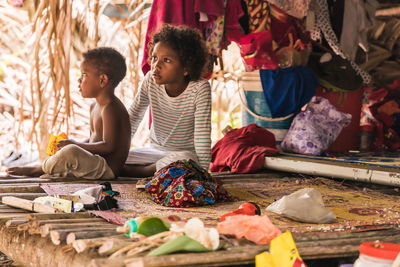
(42, 239)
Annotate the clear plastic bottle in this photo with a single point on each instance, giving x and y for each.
(377, 254)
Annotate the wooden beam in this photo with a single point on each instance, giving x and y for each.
(30, 196)
(45, 229)
(21, 188)
(27, 205)
(60, 236)
(344, 171)
(101, 232)
(23, 180)
(81, 245)
(32, 250)
(16, 222)
(112, 245)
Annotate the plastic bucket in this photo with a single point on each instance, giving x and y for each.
(255, 109)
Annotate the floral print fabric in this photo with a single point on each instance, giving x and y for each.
(315, 129)
(184, 184)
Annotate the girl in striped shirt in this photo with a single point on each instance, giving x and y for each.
(180, 102)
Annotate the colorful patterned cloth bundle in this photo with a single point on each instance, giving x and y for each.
(184, 184)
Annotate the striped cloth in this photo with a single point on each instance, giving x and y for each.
(178, 123)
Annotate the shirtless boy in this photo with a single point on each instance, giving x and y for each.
(103, 155)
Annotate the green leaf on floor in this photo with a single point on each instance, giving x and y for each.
(152, 226)
(180, 243)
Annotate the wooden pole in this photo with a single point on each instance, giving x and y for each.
(27, 205)
(45, 229)
(88, 235)
(81, 245)
(112, 245)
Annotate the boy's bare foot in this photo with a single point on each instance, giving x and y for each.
(25, 171)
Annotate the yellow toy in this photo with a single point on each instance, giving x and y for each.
(52, 145)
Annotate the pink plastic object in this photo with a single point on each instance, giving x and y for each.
(258, 229)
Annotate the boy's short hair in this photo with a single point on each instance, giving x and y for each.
(189, 45)
(107, 61)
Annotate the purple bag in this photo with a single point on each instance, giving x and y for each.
(315, 129)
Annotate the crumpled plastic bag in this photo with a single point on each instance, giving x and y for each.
(258, 229)
(304, 205)
(90, 195)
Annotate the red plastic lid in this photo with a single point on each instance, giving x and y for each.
(380, 250)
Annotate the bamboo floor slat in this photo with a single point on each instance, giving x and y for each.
(22, 240)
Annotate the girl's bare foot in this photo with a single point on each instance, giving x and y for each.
(26, 171)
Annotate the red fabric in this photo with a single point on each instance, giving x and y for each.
(210, 7)
(243, 150)
(233, 13)
(257, 52)
(177, 12)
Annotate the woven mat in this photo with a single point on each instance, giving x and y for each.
(357, 209)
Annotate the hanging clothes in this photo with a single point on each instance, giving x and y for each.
(270, 29)
(206, 15)
(295, 8)
(177, 12)
(288, 90)
(323, 25)
(358, 18)
(233, 13)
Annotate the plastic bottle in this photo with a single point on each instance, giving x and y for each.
(377, 254)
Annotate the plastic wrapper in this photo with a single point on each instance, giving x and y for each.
(258, 229)
(304, 205)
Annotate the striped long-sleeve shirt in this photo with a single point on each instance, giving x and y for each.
(178, 123)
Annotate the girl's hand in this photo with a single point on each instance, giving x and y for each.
(65, 142)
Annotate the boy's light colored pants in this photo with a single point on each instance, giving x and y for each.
(76, 161)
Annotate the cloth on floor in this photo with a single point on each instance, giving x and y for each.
(288, 90)
(184, 184)
(243, 150)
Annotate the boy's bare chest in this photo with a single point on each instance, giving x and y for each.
(96, 125)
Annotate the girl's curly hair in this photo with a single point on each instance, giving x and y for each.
(189, 45)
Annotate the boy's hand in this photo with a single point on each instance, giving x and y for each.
(65, 142)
